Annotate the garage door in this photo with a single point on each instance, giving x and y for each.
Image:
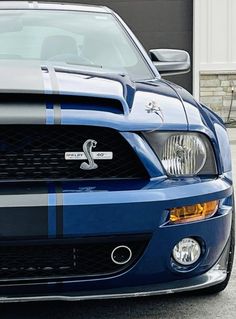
(158, 24)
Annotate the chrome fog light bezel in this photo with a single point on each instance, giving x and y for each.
(125, 261)
(178, 256)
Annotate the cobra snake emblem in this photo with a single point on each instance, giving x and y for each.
(87, 148)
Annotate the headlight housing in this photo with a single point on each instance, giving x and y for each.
(183, 153)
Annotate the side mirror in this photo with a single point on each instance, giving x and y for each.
(171, 62)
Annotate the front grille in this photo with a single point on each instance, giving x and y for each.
(38, 153)
(92, 258)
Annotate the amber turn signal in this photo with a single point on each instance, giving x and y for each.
(194, 212)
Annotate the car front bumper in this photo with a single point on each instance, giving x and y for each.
(89, 209)
(210, 278)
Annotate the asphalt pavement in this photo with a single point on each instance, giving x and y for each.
(222, 305)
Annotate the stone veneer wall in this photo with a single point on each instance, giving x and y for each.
(216, 92)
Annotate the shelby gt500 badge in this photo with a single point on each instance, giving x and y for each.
(89, 155)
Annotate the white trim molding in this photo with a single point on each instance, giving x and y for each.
(214, 45)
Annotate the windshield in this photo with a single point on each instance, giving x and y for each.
(78, 38)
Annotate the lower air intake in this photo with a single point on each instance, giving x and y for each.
(55, 261)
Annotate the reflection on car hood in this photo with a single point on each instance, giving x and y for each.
(145, 106)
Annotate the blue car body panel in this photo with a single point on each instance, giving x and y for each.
(71, 210)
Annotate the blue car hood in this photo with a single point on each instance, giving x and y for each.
(148, 105)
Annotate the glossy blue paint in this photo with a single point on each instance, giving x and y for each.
(155, 264)
(96, 212)
(116, 207)
(137, 118)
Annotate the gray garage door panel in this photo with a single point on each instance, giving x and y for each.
(157, 24)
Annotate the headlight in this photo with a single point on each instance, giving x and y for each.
(183, 154)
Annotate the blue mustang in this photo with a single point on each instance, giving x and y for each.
(113, 181)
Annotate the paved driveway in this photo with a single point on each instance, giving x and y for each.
(167, 307)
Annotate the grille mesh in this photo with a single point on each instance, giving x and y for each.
(66, 260)
(38, 153)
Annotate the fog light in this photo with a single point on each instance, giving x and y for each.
(187, 252)
(194, 212)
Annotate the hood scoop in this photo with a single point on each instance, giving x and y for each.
(65, 101)
(95, 89)
(96, 86)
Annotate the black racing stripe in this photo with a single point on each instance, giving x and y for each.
(23, 211)
(22, 113)
(53, 78)
(59, 210)
(21, 77)
(22, 222)
(21, 99)
(56, 91)
(57, 114)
